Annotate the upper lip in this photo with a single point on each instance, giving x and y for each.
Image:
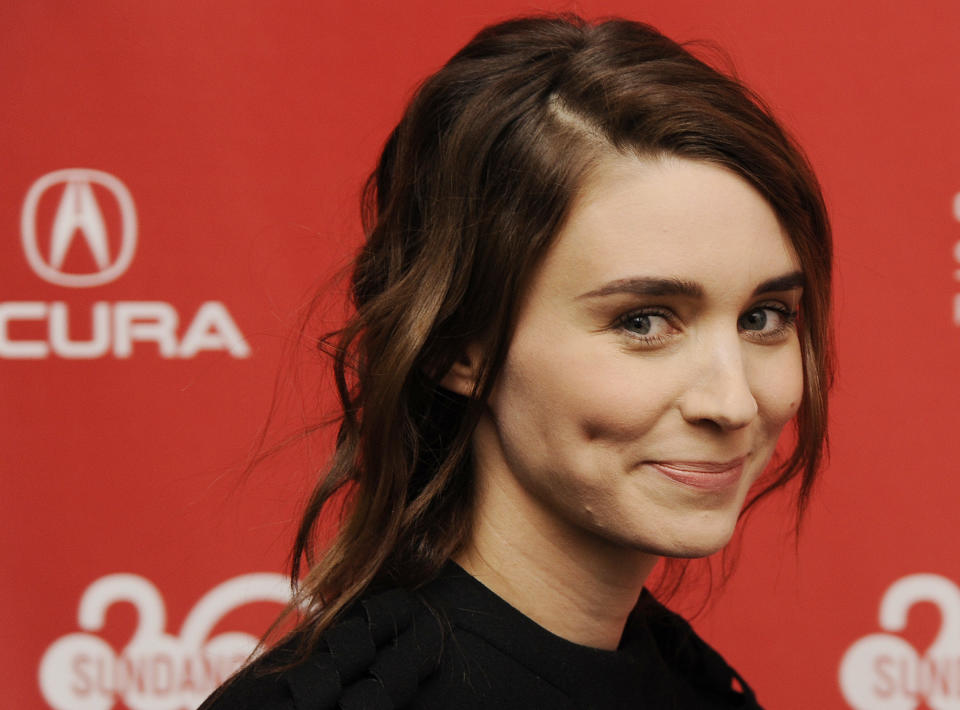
(702, 466)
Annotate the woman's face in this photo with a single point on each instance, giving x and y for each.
(654, 363)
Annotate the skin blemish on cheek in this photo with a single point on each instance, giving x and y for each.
(591, 431)
(613, 425)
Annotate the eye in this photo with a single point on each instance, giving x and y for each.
(755, 319)
(650, 327)
(767, 321)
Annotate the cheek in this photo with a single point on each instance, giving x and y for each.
(591, 393)
(779, 388)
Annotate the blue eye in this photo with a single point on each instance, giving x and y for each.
(754, 320)
(767, 321)
(646, 326)
(638, 323)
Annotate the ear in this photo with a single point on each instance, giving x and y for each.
(462, 376)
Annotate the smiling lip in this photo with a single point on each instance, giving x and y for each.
(706, 475)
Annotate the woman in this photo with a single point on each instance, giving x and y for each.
(595, 288)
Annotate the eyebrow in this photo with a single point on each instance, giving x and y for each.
(647, 286)
(788, 282)
(644, 286)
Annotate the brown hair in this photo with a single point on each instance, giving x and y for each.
(470, 190)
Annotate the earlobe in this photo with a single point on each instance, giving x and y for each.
(462, 376)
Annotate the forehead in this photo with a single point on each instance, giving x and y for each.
(668, 217)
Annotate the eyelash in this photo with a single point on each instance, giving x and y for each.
(788, 319)
(623, 323)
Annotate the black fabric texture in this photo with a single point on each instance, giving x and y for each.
(454, 644)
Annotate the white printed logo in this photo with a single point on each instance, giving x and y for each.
(156, 671)
(79, 214)
(114, 327)
(882, 671)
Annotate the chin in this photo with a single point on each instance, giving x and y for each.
(695, 541)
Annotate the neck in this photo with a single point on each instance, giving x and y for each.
(578, 586)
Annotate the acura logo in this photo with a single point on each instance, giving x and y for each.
(78, 224)
(79, 215)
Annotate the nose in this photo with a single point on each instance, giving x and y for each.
(720, 393)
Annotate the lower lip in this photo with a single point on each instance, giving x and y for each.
(704, 480)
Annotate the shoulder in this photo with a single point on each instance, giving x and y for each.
(376, 656)
(692, 658)
(251, 689)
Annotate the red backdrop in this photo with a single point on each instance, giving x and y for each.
(217, 150)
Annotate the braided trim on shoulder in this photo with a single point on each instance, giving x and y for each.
(373, 659)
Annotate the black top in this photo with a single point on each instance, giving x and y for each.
(456, 644)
